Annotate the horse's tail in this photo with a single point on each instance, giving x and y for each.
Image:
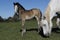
(40, 14)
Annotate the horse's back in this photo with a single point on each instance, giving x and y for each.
(37, 12)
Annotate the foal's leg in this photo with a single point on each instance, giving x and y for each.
(23, 28)
(38, 20)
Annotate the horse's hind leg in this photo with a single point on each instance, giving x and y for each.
(38, 21)
(23, 28)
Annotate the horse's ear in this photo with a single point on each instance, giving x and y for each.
(57, 13)
(44, 17)
(14, 3)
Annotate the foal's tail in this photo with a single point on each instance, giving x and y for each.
(40, 15)
(38, 11)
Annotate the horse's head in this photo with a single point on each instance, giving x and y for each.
(18, 7)
(45, 26)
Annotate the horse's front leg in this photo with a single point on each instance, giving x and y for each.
(23, 28)
(58, 23)
(38, 21)
(39, 27)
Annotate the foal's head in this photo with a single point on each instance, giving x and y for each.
(18, 7)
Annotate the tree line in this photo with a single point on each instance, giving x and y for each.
(15, 18)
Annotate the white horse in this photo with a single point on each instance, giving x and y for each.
(50, 12)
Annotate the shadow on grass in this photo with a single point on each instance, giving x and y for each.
(55, 30)
(32, 29)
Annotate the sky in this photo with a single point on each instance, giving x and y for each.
(7, 7)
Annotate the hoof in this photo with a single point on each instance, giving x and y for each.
(23, 32)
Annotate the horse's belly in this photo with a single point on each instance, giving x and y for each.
(29, 17)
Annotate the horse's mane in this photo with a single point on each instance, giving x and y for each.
(20, 5)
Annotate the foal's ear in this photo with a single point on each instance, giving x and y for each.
(14, 3)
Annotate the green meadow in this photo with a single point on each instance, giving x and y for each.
(12, 31)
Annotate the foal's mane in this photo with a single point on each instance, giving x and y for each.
(17, 3)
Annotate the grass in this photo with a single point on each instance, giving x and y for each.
(11, 31)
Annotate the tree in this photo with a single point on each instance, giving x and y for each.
(1, 19)
(9, 19)
(16, 17)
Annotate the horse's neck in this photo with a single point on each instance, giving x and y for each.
(21, 10)
(52, 8)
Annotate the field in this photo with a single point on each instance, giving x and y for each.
(11, 31)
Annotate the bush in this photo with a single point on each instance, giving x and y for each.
(1, 19)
